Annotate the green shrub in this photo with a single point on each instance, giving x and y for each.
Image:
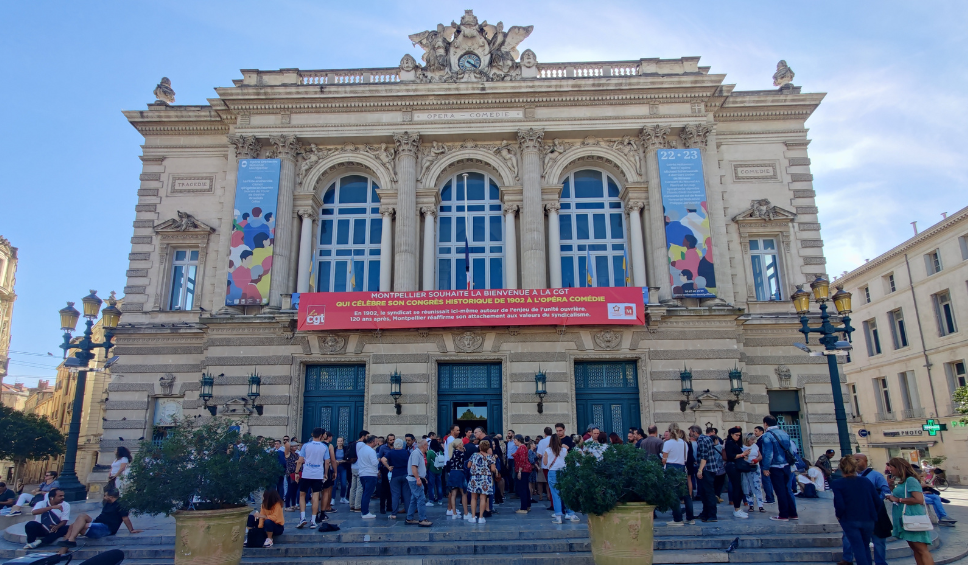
(207, 463)
(624, 474)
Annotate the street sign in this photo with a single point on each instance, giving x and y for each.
(863, 433)
(933, 427)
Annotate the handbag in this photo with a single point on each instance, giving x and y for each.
(915, 523)
(744, 466)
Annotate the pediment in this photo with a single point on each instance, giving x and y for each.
(763, 210)
(185, 222)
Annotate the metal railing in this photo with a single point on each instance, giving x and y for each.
(885, 417)
(912, 414)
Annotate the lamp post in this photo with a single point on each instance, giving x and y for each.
(735, 387)
(685, 381)
(73, 489)
(255, 391)
(540, 388)
(828, 338)
(396, 381)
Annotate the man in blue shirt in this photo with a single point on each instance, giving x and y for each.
(883, 489)
(776, 446)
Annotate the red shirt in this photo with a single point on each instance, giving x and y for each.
(521, 459)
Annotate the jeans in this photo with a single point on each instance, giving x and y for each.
(35, 530)
(751, 488)
(707, 492)
(434, 489)
(767, 488)
(386, 491)
(399, 494)
(880, 549)
(292, 493)
(524, 491)
(735, 486)
(356, 490)
(677, 509)
(780, 477)
(369, 485)
(935, 501)
(417, 505)
(859, 535)
(509, 476)
(268, 525)
(560, 508)
(341, 481)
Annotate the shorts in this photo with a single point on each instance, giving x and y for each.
(307, 485)
(542, 476)
(97, 531)
(456, 480)
(328, 483)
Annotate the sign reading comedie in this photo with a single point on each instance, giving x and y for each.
(481, 115)
(461, 308)
(688, 239)
(253, 232)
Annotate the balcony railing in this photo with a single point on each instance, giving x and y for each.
(912, 414)
(885, 417)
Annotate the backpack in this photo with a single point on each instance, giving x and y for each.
(791, 459)
(256, 537)
(436, 460)
(349, 453)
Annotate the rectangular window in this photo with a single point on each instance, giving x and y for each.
(909, 391)
(898, 332)
(963, 243)
(867, 294)
(955, 372)
(872, 338)
(766, 269)
(944, 311)
(889, 284)
(856, 399)
(183, 268)
(883, 396)
(932, 262)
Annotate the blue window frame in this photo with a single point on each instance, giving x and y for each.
(350, 230)
(485, 238)
(592, 226)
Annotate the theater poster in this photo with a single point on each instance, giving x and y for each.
(253, 232)
(688, 240)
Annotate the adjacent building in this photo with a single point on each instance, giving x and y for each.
(557, 171)
(910, 347)
(8, 278)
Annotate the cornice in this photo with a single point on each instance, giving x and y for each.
(763, 115)
(157, 129)
(935, 230)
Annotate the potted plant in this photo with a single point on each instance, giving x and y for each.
(619, 493)
(202, 473)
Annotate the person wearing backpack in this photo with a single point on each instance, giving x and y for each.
(435, 465)
(777, 459)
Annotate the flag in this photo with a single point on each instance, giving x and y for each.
(467, 260)
(589, 267)
(352, 276)
(625, 267)
(312, 275)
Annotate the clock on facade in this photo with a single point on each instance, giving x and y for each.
(167, 410)
(469, 62)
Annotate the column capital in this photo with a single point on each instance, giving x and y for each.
(655, 137)
(428, 211)
(634, 207)
(305, 213)
(246, 146)
(287, 146)
(386, 211)
(407, 143)
(511, 209)
(552, 207)
(695, 136)
(530, 139)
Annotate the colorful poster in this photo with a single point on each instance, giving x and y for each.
(253, 232)
(689, 243)
(463, 308)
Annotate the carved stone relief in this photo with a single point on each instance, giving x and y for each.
(468, 342)
(332, 344)
(607, 340)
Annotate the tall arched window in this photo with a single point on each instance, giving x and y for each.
(486, 237)
(350, 229)
(592, 225)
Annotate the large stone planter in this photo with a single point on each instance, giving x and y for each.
(210, 537)
(622, 536)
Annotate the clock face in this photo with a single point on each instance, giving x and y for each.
(469, 62)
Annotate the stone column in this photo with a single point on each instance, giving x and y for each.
(386, 248)
(430, 242)
(637, 251)
(653, 138)
(554, 243)
(511, 244)
(406, 257)
(286, 147)
(532, 216)
(305, 251)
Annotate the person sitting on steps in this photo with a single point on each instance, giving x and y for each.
(108, 522)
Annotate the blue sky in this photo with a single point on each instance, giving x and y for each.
(887, 145)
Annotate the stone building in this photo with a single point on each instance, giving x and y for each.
(378, 156)
(910, 347)
(8, 278)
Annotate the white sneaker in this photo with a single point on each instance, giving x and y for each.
(469, 517)
(33, 545)
(740, 514)
(455, 517)
(572, 518)
(313, 525)
(473, 519)
(556, 519)
(481, 520)
(301, 524)
(429, 504)
(368, 516)
(450, 512)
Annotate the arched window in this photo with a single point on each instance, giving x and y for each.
(486, 237)
(350, 229)
(592, 225)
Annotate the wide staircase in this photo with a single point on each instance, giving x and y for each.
(506, 539)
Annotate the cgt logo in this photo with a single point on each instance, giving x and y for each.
(244, 164)
(621, 311)
(315, 318)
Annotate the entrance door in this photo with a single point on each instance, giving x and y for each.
(607, 395)
(469, 395)
(334, 400)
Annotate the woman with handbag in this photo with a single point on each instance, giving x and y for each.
(910, 516)
(734, 455)
(855, 504)
(752, 487)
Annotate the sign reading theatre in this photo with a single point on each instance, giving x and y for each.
(461, 308)
(253, 232)
(688, 240)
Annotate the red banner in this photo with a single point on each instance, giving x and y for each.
(461, 308)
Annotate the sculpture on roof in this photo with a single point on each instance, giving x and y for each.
(163, 91)
(783, 75)
(469, 51)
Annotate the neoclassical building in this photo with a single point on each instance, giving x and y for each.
(551, 174)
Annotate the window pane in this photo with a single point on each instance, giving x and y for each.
(495, 191)
(341, 272)
(460, 272)
(758, 281)
(564, 225)
(443, 274)
(588, 184)
(772, 277)
(601, 270)
(497, 272)
(581, 225)
(612, 189)
(769, 244)
(180, 255)
(599, 222)
(330, 196)
(376, 230)
(754, 245)
(194, 256)
(323, 279)
(177, 281)
(359, 231)
(616, 221)
(566, 189)
(445, 229)
(459, 229)
(342, 232)
(582, 272)
(478, 223)
(190, 287)
(496, 230)
(618, 273)
(475, 186)
(568, 272)
(479, 268)
(352, 189)
(373, 276)
(356, 276)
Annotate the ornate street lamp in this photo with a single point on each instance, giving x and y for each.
(255, 390)
(540, 388)
(735, 387)
(833, 347)
(396, 380)
(84, 354)
(208, 383)
(685, 382)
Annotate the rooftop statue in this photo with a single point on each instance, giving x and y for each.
(163, 91)
(469, 51)
(783, 75)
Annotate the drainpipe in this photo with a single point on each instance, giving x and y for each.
(924, 349)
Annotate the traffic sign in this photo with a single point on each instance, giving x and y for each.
(863, 433)
(933, 427)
